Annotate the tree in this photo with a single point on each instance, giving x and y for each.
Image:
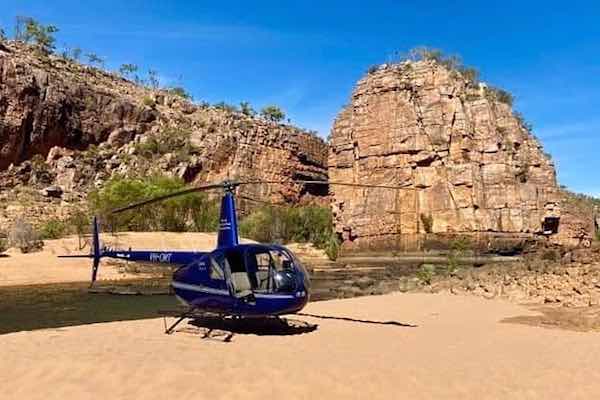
(272, 113)
(128, 70)
(94, 58)
(21, 23)
(29, 30)
(2, 34)
(180, 92)
(76, 53)
(247, 109)
(153, 80)
(225, 107)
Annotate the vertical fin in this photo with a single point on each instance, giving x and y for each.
(96, 249)
(228, 230)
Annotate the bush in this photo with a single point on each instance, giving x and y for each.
(171, 215)
(247, 109)
(148, 101)
(180, 92)
(426, 273)
(312, 224)
(128, 70)
(53, 229)
(23, 236)
(272, 113)
(427, 221)
(170, 140)
(500, 95)
(3, 245)
(29, 30)
(225, 107)
(372, 69)
(79, 223)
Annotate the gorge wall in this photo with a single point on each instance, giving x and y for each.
(73, 126)
(466, 163)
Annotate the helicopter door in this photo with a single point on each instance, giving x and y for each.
(235, 272)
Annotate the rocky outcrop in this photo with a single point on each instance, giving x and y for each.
(466, 164)
(72, 126)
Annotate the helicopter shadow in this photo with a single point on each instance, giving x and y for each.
(224, 329)
(361, 321)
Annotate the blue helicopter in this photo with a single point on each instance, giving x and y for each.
(237, 280)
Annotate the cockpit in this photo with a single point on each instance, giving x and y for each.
(258, 269)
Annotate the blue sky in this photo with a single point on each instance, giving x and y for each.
(306, 55)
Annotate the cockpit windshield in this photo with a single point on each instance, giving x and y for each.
(264, 269)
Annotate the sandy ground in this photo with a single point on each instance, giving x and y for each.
(460, 349)
(45, 267)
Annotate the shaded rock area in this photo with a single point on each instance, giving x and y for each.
(467, 165)
(70, 127)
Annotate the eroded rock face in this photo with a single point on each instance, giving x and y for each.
(57, 109)
(466, 163)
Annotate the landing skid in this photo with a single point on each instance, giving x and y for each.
(227, 324)
(189, 313)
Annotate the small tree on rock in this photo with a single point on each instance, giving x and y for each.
(128, 70)
(29, 30)
(247, 109)
(272, 113)
(95, 59)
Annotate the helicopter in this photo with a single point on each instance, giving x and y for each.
(233, 280)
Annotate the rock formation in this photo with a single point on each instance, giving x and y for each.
(73, 126)
(467, 165)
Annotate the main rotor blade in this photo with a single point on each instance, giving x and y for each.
(167, 196)
(270, 203)
(313, 182)
(365, 185)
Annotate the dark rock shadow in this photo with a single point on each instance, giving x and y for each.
(362, 321)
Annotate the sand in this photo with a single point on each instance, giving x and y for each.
(45, 267)
(460, 349)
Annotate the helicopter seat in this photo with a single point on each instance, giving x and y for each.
(241, 284)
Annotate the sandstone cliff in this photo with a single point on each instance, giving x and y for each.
(57, 109)
(466, 162)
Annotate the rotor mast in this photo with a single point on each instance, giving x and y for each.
(228, 226)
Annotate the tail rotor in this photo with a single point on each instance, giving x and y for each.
(96, 251)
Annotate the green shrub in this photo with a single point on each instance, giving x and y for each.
(148, 101)
(3, 245)
(169, 140)
(79, 222)
(29, 30)
(458, 246)
(53, 229)
(272, 113)
(206, 218)
(500, 95)
(247, 109)
(225, 107)
(426, 273)
(180, 92)
(170, 215)
(312, 224)
(95, 59)
(128, 70)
